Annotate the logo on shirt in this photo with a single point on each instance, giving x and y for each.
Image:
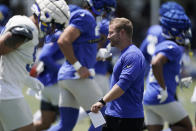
(128, 66)
(82, 15)
(170, 46)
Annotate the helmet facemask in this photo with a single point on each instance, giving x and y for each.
(51, 13)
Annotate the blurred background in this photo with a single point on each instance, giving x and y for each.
(143, 13)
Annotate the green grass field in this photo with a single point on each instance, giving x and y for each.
(184, 96)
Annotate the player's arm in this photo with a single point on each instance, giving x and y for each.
(69, 35)
(65, 41)
(12, 39)
(157, 67)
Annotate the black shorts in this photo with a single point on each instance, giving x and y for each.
(46, 106)
(123, 124)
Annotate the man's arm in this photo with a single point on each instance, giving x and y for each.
(69, 35)
(157, 67)
(12, 39)
(113, 94)
(9, 42)
(65, 41)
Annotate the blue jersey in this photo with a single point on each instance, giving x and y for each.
(154, 36)
(171, 71)
(53, 59)
(128, 73)
(101, 67)
(85, 47)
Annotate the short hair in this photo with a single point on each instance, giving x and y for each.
(123, 23)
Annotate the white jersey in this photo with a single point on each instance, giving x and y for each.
(13, 65)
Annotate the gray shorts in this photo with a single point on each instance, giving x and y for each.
(157, 114)
(81, 92)
(103, 82)
(50, 94)
(15, 113)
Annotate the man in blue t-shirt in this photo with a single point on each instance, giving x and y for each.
(159, 99)
(124, 110)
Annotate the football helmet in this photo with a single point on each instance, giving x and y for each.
(110, 7)
(51, 12)
(176, 25)
(97, 6)
(169, 6)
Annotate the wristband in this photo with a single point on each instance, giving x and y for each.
(102, 101)
(77, 65)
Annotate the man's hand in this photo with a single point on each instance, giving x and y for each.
(83, 72)
(186, 82)
(163, 95)
(103, 54)
(96, 107)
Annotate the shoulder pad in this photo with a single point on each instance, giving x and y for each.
(22, 31)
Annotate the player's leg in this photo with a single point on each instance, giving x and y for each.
(153, 121)
(48, 116)
(16, 115)
(49, 108)
(86, 94)
(68, 108)
(175, 114)
(182, 125)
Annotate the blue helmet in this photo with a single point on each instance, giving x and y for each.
(110, 7)
(5, 14)
(97, 6)
(176, 25)
(169, 6)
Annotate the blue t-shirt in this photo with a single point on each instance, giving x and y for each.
(128, 73)
(153, 37)
(171, 71)
(85, 47)
(52, 57)
(101, 67)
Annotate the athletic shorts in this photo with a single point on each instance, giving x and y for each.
(50, 94)
(80, 92)
(15, 113)
(103, 82)
(123, 124)
(172, 112)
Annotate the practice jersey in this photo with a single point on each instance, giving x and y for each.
(52, 57)
(101, 67)
(171, 72)
(84, 47)
(128, 74)
(154, 36)
(13, 65)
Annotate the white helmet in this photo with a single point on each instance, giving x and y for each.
(51, 11)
